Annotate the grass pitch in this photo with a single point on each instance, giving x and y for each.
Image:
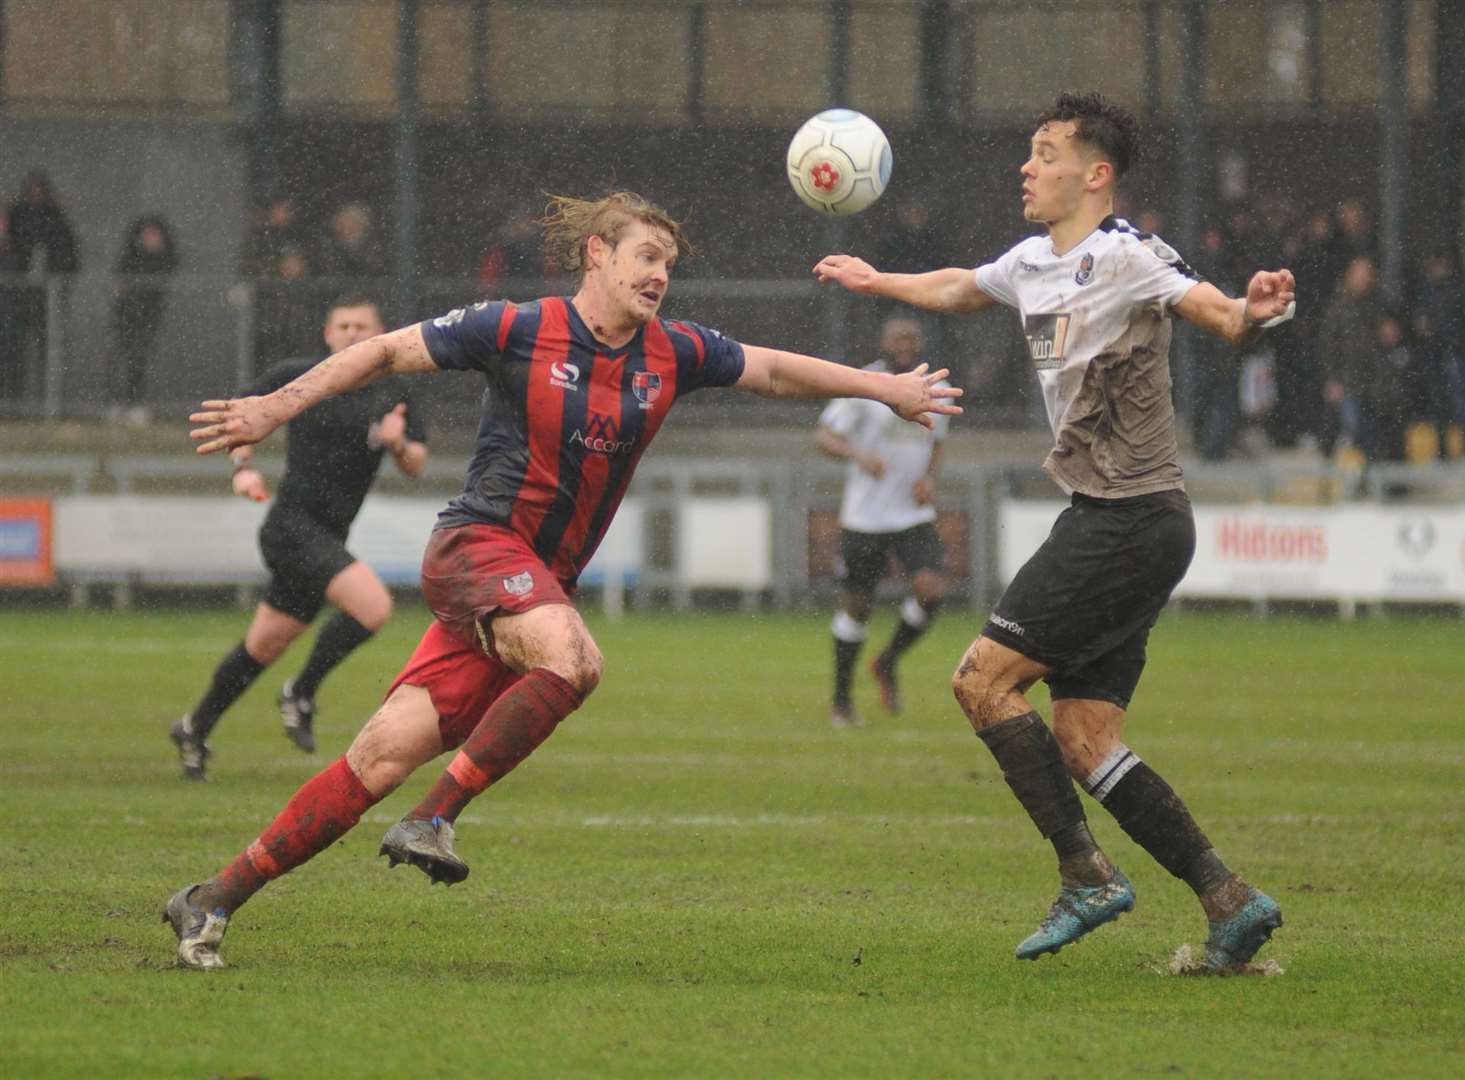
(696, 876)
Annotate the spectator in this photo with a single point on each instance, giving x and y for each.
(912, 246)
(148, 257)
(516, 252)
(10, 298)
(1217, 365)
(352, 249)
(1354, 234)
(42, 236)
(1310, 249)
(285, 308)
(43, 244)
(1150, 221)
(277, 255)
(274, 240)
(1347, 348)
(1391, 397)
(1287, 355)
(1438, 327)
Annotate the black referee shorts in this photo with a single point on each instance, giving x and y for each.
(866, 555)
(1084, 603)
(302, 556)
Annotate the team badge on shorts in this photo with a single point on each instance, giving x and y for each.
(1085, 270)
(519, 584)
(647, 387)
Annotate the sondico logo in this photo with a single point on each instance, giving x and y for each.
(564, 375)
(600, 436)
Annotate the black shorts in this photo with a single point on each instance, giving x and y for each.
(866, 555)
(302, 556)
(1084, 603)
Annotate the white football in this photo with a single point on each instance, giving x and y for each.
(839, 161)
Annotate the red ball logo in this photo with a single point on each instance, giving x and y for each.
(824, 176)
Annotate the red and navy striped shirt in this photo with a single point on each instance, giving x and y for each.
(565, 417)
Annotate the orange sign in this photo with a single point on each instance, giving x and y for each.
(25, 542)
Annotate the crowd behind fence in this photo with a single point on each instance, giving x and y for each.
(1360, 375)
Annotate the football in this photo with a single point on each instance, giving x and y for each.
(839, 161)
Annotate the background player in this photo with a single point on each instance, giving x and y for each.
(1095, 296)
(889, 508)
(578, 387)
(331, 458)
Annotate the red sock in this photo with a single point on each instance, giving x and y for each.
(523, 717)
(319, 814)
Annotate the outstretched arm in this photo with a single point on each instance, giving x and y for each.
(1271, 297)
(224, 425)
(912, 395)
(952, 289)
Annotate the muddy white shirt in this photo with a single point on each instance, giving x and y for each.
(1097, 322)
(886, 504)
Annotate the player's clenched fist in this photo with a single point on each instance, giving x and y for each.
(1269, 294)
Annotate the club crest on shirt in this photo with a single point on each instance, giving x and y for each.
(1047, 338)
(647, 387)
(520, 584)
(1085, 269)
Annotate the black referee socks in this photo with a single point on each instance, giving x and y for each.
(337, 640)
(234, 675)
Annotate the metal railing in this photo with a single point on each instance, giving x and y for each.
(64, 352)
(796, 493)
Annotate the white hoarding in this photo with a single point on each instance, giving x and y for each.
(1360, 552)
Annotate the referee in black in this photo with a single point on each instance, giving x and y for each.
(331, 458)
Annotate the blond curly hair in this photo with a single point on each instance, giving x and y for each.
(569, 223)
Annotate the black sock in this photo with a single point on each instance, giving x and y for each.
(1156, 819)
(1033, 768)
(915, 620)
(336, 640)
(849, 638)
(232, 677)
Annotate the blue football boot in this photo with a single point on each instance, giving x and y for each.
(1236, 940)
(1077, 911)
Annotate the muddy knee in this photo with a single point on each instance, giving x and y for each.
(976, 695)
(580, 665)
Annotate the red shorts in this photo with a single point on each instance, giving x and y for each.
(472, 572)
(461, 681)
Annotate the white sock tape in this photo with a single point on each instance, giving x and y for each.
(912, 614)
(1110, 771)
(845, 628)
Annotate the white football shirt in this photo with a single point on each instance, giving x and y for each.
(886, 504)
(1097, 322)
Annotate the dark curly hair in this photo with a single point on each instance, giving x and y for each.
(1108, 128)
